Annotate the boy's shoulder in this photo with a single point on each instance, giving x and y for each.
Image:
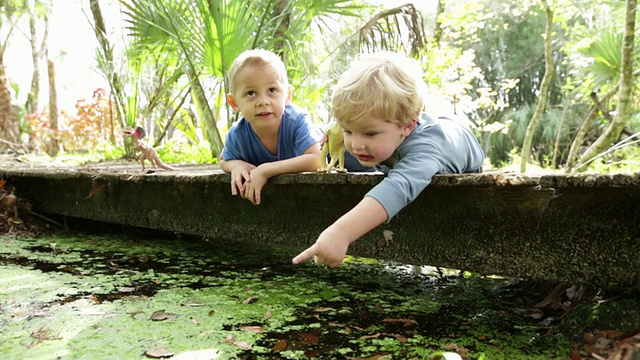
(295, 112)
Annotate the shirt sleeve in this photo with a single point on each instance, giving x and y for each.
(302, 135)
(447, 148)
(406, 180)
(231, 150)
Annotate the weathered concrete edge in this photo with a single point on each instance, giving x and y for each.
(571, 228)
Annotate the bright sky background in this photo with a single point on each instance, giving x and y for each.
(72, 44)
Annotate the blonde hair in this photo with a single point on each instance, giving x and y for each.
(383, 85)
(256, 57)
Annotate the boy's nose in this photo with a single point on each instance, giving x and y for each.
(262, 100)
(357, 143)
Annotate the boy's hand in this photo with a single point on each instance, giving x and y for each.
(239, 176)
(253, 186)
(328, 250)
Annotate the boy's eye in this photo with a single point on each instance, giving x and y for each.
(273, 90)
(347, 131)
(251, 93)
(370, 134)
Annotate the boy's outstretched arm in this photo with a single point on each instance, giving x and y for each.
(332, 244)
(239, 171)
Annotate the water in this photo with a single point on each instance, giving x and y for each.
(131, 295)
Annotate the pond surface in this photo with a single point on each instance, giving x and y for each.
(87, 296)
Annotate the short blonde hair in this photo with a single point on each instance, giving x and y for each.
(383, 85)
(256, 57)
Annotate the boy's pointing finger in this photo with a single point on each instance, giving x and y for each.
(305, 255)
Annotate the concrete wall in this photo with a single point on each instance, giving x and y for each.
(580, 228)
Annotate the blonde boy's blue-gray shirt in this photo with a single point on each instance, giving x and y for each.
(436, 146)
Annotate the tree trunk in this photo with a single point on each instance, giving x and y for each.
(437, 31)
(282, 13)
(32, 103)
(209, 120)
(613, 131)
(8, 118)
(544, 88)
(556, 146)
(53, 110)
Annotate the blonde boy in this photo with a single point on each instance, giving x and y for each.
(273, 137)
(378, 102)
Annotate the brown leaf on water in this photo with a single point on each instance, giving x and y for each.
(575, 354)
(241, 344)
(158, 353)
(255, 329)
(405, 322)
(250, 300)
(309, 338)
(323, 309)
(135, 313)
(400, 338)
(280, 345)
(160, 315)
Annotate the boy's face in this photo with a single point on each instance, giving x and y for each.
(374, 140)
(260, 95)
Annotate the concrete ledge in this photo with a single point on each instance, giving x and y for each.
(570, 228)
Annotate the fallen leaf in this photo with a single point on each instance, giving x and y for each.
(280, 345)
(133, 314)
(241, 344)
(323, 309)
(193, 304)
(310, 338)
(406, 322)
(255, 329)
(250, 300)
(267, 315)
(158, 353)
(159, 315)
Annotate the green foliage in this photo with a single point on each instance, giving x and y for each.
(92, 127)
(179, 150)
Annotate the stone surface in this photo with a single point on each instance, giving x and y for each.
(570, 228)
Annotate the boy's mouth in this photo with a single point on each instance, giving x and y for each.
(263, 114)
(364, 158)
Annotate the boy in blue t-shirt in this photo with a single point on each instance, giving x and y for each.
(273, 137)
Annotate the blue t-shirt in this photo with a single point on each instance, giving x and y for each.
(294, 138)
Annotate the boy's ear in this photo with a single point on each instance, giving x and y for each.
(289, 95)
(232, 101)
(407, 129)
